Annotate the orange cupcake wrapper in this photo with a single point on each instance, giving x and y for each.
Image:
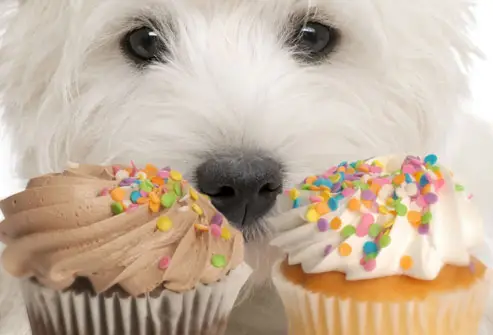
(454, 313)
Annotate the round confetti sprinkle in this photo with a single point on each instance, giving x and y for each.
(164, 223)
(400, 209)
(370, 247)
(218, 261)
(294, 194)
(430, 159)
(406, 262)
(118, 194)
(414, 217)
(423, 229)
(368, 195)
(335, 223)
(225, 233)
(323, 224)
(345, 249)
(362, 230)
(459, 188)
(177, 189)
(348, 192)
(374, 230)
(146, 186)
(327, 250)
(354, 205)
(426, 218)
(322, 208)
(215, 230)
(333, 204)
(367, 219)
(168, 200)
(430, 198)
(193, 194)
(201, 227)
(384, 241)
(153, 197)
(348, 231)
(197, 209)
(164, 174)
(116, 208)
(217, 219)
(164, 263)
(383, 210)
(312, 215)
(134, 196)
(175, 175)
(370, 265)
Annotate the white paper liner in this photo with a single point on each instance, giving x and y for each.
(455, 313)
(202, 311)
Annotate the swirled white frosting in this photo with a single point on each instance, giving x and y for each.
(419, 244)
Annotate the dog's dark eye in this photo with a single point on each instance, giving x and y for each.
(313, 41)
(143, 45)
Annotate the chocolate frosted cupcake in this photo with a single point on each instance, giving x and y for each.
(118, 250)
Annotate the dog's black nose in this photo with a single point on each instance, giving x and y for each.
(243, 188)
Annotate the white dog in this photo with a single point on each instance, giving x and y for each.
(244, 96)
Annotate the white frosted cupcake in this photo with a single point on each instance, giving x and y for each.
(381, 247)
(114, 250)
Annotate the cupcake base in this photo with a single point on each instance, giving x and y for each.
(202, 311)
(455, 312)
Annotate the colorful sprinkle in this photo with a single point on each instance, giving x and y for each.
(384, 241)
(215, 230)
(168, 199)
(225, 233)
(430, 159)
(175, 175)
(374, 230)
(348, 231)
(164, 263)
(335, 223)
(323, 224)
(197, 209)
(117, 208)
(217, 219)
(345, 249)
(312, 215)
(370, 247)
(164, 223)
(459, 187)
(406, 263)
(218, 261)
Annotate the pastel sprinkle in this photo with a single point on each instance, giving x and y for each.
(225, 233)
(327, 250)
(426, 218)
(175, 175)
(164, 263)
(215, 230)
(368, 195)
(177, 189)
(193, 194)
(384, 241)
(354, 205)
(294, 194)
(423, 229)
(370, 247)
(345, 249)
(312, 215)
(323, 224)
(370, 265)
(348, 231)
(134, 196)
(401, 209)
(197, 209)
(430, 159)
(218, 261)
(459, 187)
(217, 219)
(374, 230)
(430, 198)
(168, 199)
(118, 194)
(333, 204)
(116, 208)
(322, 208)
(164, 223)
(406, 262)
(335, 223)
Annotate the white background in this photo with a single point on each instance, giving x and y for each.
(482, 86)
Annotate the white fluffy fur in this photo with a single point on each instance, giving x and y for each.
(396, 83)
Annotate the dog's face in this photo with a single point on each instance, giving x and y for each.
(244, 96)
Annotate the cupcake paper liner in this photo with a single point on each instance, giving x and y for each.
(453, 313)
(201, 311)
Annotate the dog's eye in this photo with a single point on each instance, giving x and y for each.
(313, 41)
(143, 45)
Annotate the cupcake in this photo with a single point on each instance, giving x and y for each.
(381, 246)
(120, 250)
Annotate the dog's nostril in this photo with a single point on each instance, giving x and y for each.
(222, 192)
(270, 188)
